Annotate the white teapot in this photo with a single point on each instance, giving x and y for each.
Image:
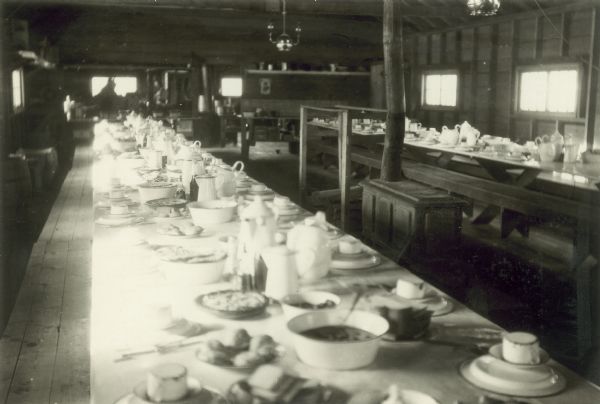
(450, 137)
(311, 242)
(189, 152)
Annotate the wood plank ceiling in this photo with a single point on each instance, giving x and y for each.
(168, 32)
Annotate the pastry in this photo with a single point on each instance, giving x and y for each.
(259, 341)
(237, 338)
(247, 359)
(167, 382)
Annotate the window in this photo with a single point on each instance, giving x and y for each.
(550, 89)
(123, 84)
(231, 86)
(17, 90)
(440, 89)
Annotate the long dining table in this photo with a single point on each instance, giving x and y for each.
(128, 286)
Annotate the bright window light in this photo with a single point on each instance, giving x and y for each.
(123, 84)
(548, 90)
(440, 89)
(231, 86)
(17, 89)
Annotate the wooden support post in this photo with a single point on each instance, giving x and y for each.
(592, 124)
(391, 167)
(302, 155)
(207, 88)
(345, 169)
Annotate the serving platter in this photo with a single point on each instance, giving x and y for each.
(228, 297)
(489, 373)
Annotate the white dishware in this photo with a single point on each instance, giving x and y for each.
(226, 178)
(282, 275)
(212, 212)
(500, 377)
(207, 188)
(310, 240)
(496, 352)
(315, 297)
(449, 137)
(337, 355)
(410, 289)
(156, 190)
(183, 275)
(521, 348)
(349, 245)
(399, 396)
(362, 261)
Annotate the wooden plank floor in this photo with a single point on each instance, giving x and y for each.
(45, 346)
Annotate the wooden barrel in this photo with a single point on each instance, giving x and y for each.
(16, 189)
(43, 164)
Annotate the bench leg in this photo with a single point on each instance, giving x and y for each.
(583, 279)
(512, 220)
(487, 215)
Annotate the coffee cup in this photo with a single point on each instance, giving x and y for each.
(258, 187)
(410, 289)
(521, 348)
(281, 201)
(349, 245)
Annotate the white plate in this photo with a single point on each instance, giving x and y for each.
(354, 261)
(199, 394)
(500, 377)
(496, 352)
(118, 221)
(435, 302)
(415, 397)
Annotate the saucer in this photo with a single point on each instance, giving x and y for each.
(433, 301)
(363, 260)
(496, 352)
(489, 373)
(196, 394)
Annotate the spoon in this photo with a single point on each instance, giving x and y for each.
(359, 294)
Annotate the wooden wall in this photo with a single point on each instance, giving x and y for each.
(289, 90)
(487, 56)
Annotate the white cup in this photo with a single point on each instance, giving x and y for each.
(410, 289)
(521, 348)
(258, 187)
(349, 245)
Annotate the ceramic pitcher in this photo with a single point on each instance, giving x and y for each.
(206, 187)
(310, 240)
(282, 274)
(226, 178)
(449, 137)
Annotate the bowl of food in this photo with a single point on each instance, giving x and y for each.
(307, 302)
(186, 268)
(156, 190)
(591, 156)
(337, 339)
(212, 212)
(233, 304)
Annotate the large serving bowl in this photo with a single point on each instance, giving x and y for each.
(185, 274)
(290, 303)
(343, 355)
(212, 212)
(156, 190)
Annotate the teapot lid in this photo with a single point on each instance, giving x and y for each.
(257, 209)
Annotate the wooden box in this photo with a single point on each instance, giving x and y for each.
(407, 217)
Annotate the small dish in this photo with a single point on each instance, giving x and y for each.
(496, 352)
(197, 394)
(361, 261)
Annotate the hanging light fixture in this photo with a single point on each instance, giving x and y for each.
(483, 7)
(284, 42)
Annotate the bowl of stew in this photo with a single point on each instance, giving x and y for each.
(307, 302)
(332, 339)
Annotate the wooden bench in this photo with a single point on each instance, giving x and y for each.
(516, 201)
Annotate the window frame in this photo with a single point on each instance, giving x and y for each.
(442, 71)
(232, 77)
(21, 107)
(547, 67)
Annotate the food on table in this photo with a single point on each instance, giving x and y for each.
(327, 304)
(237, 348)
(180, 254)
(186, 229)
(338, 333)
(167, 382)
(236, 338)
(233, 300)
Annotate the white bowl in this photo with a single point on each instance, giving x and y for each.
(312, 297)
(212, 212)
(156, 190)
(184, 275)
(337, 355)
